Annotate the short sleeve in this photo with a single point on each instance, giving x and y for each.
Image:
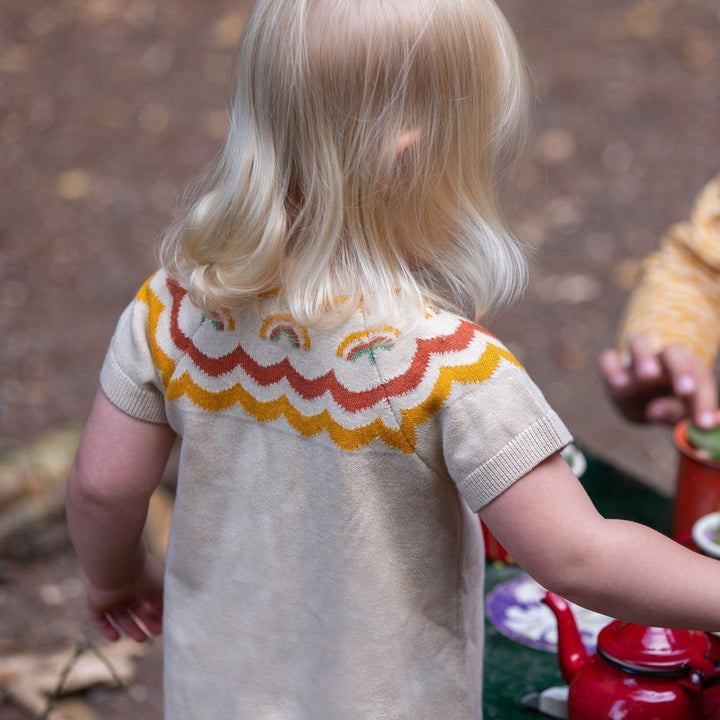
(129, 377)
(496, 431)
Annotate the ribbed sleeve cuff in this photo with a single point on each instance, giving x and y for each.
(141, 403)
(536, 443)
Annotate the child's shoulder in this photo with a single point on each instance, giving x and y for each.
(449, 331)
(155, 289)
(164, 294)
(268, 334)
(439, 347)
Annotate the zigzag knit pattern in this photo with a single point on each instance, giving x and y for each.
(273, 370)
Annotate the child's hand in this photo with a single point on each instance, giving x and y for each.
(119, 609)
(660, 386)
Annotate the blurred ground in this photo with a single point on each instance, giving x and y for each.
(108, 109)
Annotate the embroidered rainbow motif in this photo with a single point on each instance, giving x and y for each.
(396, 390)
(366, 343)
(281, 326)
(218, 321)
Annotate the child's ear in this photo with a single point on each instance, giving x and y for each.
(406, 139)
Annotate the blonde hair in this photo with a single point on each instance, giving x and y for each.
(367, 143)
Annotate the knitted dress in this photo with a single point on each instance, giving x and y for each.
(325, 561)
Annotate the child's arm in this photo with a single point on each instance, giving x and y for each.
(119, 463)
(622, 569)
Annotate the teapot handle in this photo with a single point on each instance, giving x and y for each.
(703, 676)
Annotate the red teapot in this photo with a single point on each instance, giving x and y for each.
(638, 672)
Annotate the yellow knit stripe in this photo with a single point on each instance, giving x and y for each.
(229, 319)
(162, 362)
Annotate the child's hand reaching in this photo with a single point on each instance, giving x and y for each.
(134, 608)
(660, 386)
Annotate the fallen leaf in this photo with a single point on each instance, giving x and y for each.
(39, 467)
(15, 58)
(102, 10)
(158, 58)
(31, 679)
(153, 118)
(573, 289)
(564, 213)
(226, 31)
(74, 184)
(700, 53)
(644, 20)
(555, 146)
(75, 709)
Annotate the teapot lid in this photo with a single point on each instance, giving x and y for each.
(651, 649)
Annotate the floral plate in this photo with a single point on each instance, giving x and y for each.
(516, 609)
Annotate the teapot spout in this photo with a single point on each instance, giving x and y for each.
(572, 654)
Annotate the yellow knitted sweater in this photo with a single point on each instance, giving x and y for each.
(678, 298)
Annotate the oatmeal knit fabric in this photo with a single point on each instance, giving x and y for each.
(678, 298)
(325, 560)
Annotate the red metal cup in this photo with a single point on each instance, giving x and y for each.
(698, 485)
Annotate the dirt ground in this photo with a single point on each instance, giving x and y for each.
(109, 108)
